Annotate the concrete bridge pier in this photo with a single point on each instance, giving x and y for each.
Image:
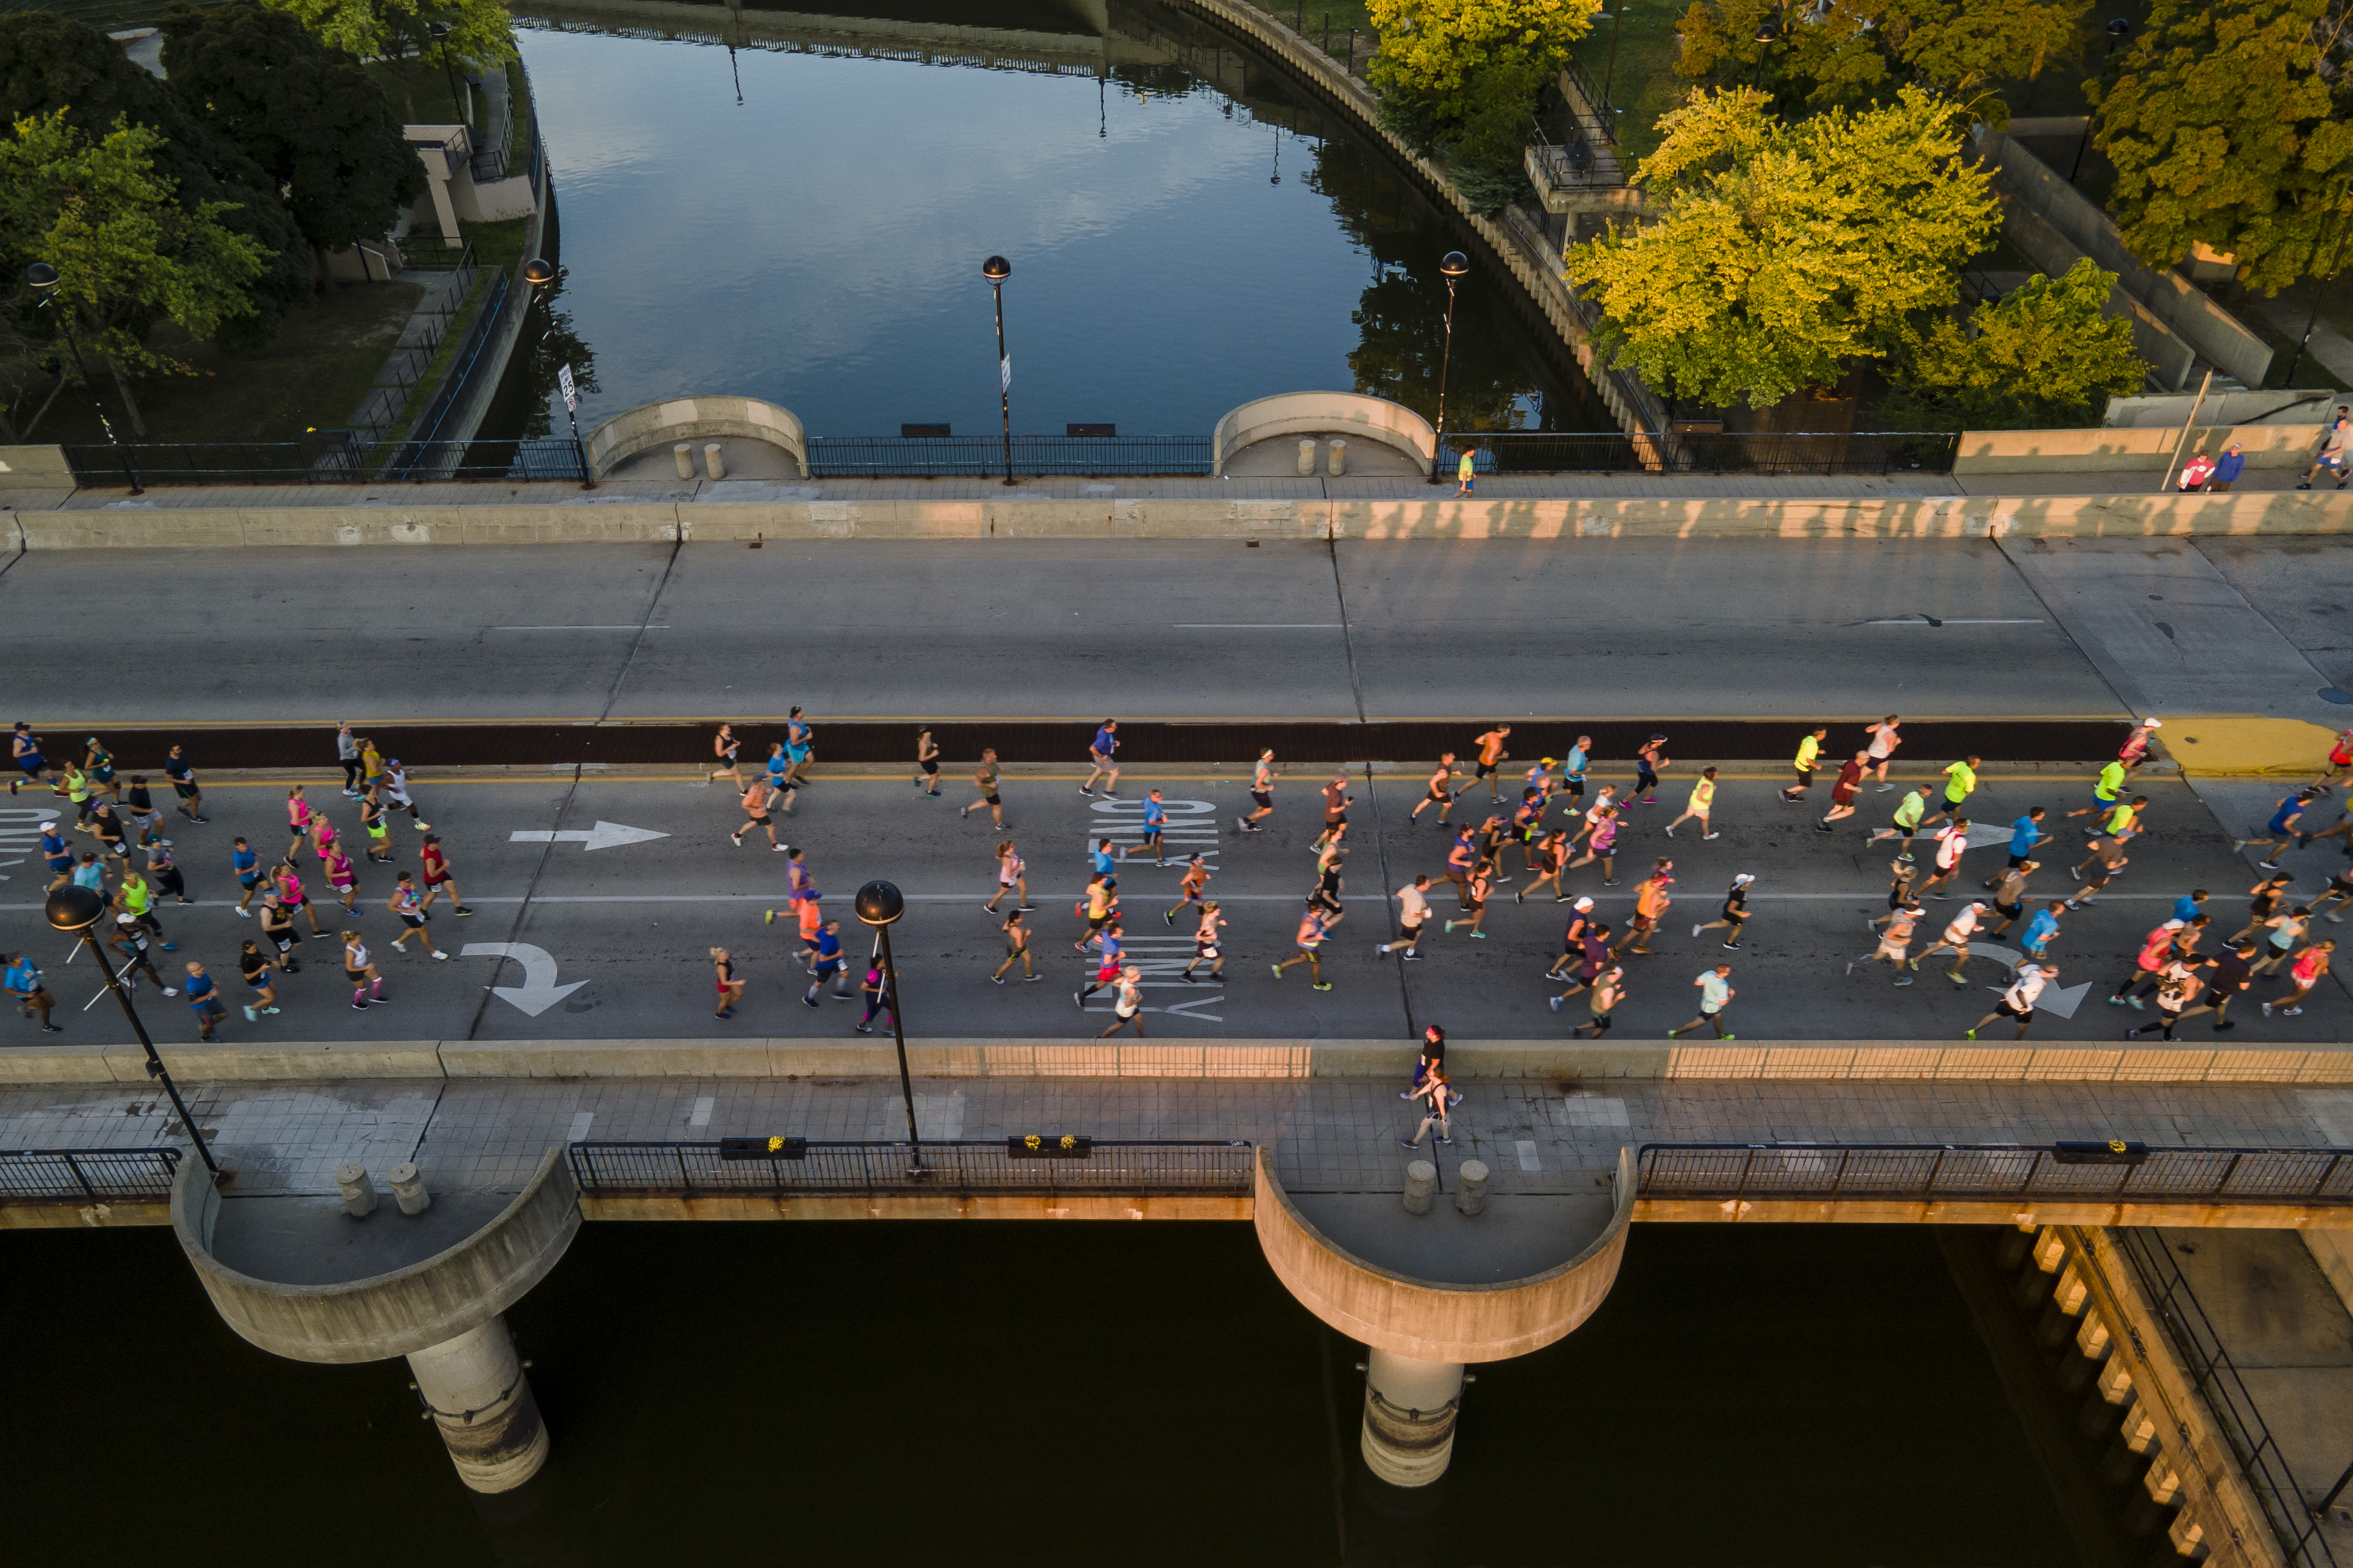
(1409, 1411)
(481, 1399)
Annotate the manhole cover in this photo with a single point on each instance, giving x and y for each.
(2335, 694)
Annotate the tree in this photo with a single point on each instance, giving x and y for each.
(48, 65)
(1461, 77)
(480, 31)
(1790, 252)
(2043, 355)
(128, 254)
(1855, 53)
(308, 115)
(2227, 127)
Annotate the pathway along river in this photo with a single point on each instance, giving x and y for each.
(907, 1392)
(1188, 228)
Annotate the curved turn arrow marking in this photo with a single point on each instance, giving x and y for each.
(539, 991)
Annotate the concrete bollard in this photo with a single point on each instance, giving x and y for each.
(1470, 1187)
(408, 1189)
(1306, 458)
(359, 1192)
(1339, 457)
(712, 463)
(1420, 1181)
(685, 453)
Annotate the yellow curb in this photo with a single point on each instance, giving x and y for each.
(2221, 744)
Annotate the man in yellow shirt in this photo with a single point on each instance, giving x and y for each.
(1702, 802)
(1809, 750)
(1960, 780)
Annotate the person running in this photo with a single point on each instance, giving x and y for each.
(25, 751)
(2010, 895)
(2263, 900)
(260, 996)
(1908, 813)
(2304, 973)
(1527, 824)
(347, 753)
(79, 795)
(59, 855)
(322, 836)
(1438, 792)
(2340, 762)
(184, 784)
(1957, 931)
(91, 874)
(1951, 841)
(1896, 942)
(342, 879)
(876, 989)
(1810, 751)
(731, 990)
(136, 899)
(367, 985)
(164, 872)
(1593, 960)
(2025, 987)
(2281, 934)
(371, 765)
(1702, 802)
(2025, 833)
(2105, 789)
(808, 915)
(1960, 783)
(2282, 828)
(297, 822)
(22, 980)
(1127, 1004)
(395, 791)
(1207, 948)
(138, 803)
(1461, 858)
(927, 767)
(2176, 985)
(2332, 454)
(2043, 928)
(1884, 739)
(290, 894)
(1548, 860)
(1437, 1097)
(1600, 843)
(1413, 913)
(1309, 941)
(1572, 772)
(437, 876)
(1572, 939)
(1103, 752)
(1608, 989)
(1651, 902)
(377, 825)
(1336, 800)
(1648, 761)
(1843, 789)
(1017, 948)
(278, 930)
(758, 797)
(1735, 914)
(2111, 857)
(1261, 793)
(1482, 882)
(1095, 908)
(831, 965)
(1107, 965)
(108, 829)
(204, 1001)
(984, 779)
(99, 763)
(405, 903)
(2156, 952)
(1329, 883)
(1156, 830)
(2233, 975)
(1012, 877)
(2125, 821)
(2340, 891)
(131, 942)
(1715, 993)
(729, 751)
(1189, 887)
(1490, 755)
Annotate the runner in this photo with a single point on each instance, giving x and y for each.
(2340, 762)
(341, 877)
(298, 821)
(1261, 793)
(1413, 913)
(1882, 750)
(1337, 799)
(1095, 908)
(2284, 817)
(278, 930)
(2234, 975)
(1951, 841)
(1461, 858)
(1572, 939)
(77, 792)
(290, 894)
(2340, 890)
(758, 797)
(1188, 886)
(367, 985)
(1572, 772)
(261, 996)
(830, 965)
(1549, 861)
(2043, 928)
(133, 943)
(25, 750)
(1601, 842)
(1715, 993)
(2176, 986)
(1593, 962)
(2135, 751)
(91, 874)
(2332, 453)
(2155, 953)
(1540, 779)
(1127, 1004)
(2281, 934)
(377, 825)
(2263, 901)
(1107, 965)
(1895, 943)
(1309, 938)
(184, 786)
(1702, 802)
(809, 914)
(1012, 877)
(22, 980)
(2025, 833)
(1438, 794)
(1437, 1098)
(876, 989)
(1328, 884)
(1482, 882)
(1206, 946)
(2112, 859)
(1843, 789)
(99, 765)
(1647, 764)
(2010, 895)
(1957, 931)
(927, 774)
(405, 903)
(1960, 781)
(1102, 753)
(1491, 751)
(371, 765)
(731, 990)
(2105, 790)
(1017, 948)
(2302, 974)
(1734, 917)
(1810, 751)
(58, 854)
(139, 805)
(800, 749)
(2124, 822)
(1156, 826)
(395, 791)
(437, 877)
(1527, 824)
(1651, 902)
(984, 779)
(1609, 990)
(164, 872)
(204, 1000)
(108, 827)
(137, 900)
(727, 749)
(347, 753)
(2018, 1002)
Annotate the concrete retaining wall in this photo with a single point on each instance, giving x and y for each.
(2131, 449)
(1348, 413)
(653, 425)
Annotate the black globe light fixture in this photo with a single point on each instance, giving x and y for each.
(75, 910)
(540, 276)
(996, 269)
(44, 280)
(1767, 34)
(880, 904)
(1453, 267)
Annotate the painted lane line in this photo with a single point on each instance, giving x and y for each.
(581, 1121)
(1873, 897)
(1925, 621)
(1528, 1152)
(701, 1117)
(1255, 625)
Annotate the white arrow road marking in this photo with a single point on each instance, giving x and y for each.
(603, 836)
(539, 991)
(2061, 999)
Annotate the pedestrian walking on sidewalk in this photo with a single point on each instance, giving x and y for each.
(2332, 455)
(1432, 1054)
(1715, 993)
(1435, 1094)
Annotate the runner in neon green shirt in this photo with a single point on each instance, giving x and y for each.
(1908, 812)
(1960, 781)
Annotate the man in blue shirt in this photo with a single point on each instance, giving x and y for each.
(24, 983)
(1103, 751)
(2024, 835)
(2190, 906)
(59, 856)
(1155, 819)
(204, 1000)
(828, 965)
(1572, 772)
(1101, 862)
(2043, 928)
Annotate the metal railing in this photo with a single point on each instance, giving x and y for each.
(326, 456)
(415, 460)
(2199, 1348)
(965, 1165)
(79, 1175)
(978, 456)
(1991, 1170)
(1719, 452)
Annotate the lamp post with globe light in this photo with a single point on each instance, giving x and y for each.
(996, 269)
(44, 279)
(542, 279)
(1452, 266)
(879, 905)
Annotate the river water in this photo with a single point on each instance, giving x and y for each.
(1187, 229)
(926, 1392)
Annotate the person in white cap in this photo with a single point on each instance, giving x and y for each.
(1736, 913)
(1572, 941)
(1957, 931)
(2135, 751)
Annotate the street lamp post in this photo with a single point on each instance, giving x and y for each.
(75, 910)
(2313, 320)
(1453, 265)
(44, 279)
(879, 905)
(542, 279)
(1767, 34)
(440, 32)
(996, 269)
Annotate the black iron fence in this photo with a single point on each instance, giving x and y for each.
(323, 457)
(982, 456)
(967, 1165)
(2006, 1170)
(1703, 452)
(81, 1175)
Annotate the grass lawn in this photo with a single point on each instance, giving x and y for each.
(1642, 80)
(419, 90)
(323, 361)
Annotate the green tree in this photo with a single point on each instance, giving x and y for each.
(2227, 126)
(1461, 77)
(1790, 252)
(128, 254)
(480, 31)
(2043, 355)
(48, 64)
(312, 119)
